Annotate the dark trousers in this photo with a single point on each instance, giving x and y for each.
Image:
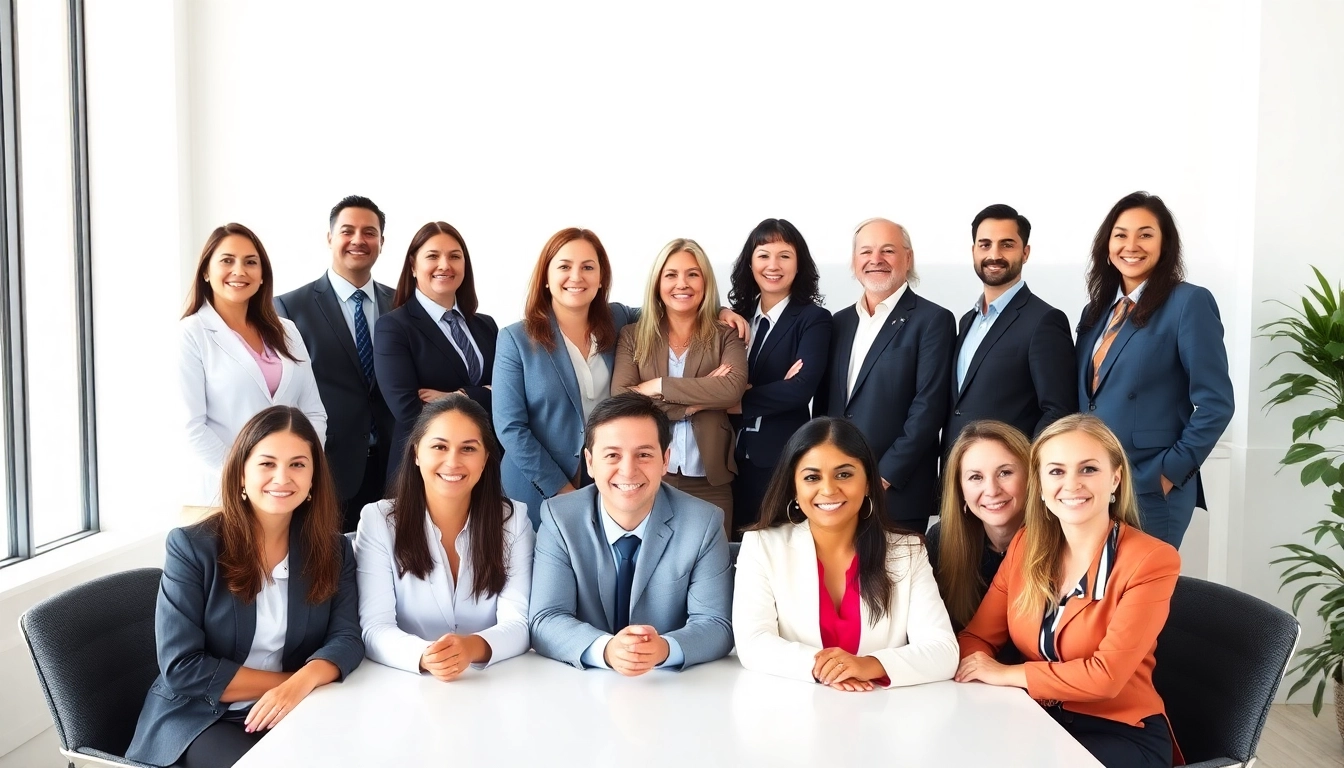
(370, 490)
(219, 746)
(1119, 745)
(748, 492)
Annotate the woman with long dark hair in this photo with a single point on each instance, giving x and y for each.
(445, 564)
(1151, 360)
(233, 659)
(826, 590)
(236, 356)
(775, 283)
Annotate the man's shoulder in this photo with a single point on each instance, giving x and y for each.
(687, 510)
(305, 292)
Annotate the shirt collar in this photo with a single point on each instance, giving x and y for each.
(1134, 297)
(434, 309)
(997, 306)
(345, 289)
(613, 531)
(774, 314)
(887, 304)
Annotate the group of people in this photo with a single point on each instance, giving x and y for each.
(571, 483)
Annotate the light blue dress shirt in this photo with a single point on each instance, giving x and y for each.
(685, 451)
(344, 290)
(980, 326)
(435, 312)
(593, 655)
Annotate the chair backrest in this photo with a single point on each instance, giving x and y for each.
(733, 547)
(1220, 659)
(94, 650)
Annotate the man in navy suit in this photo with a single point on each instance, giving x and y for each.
(890, 370)
(1014, 357)
(339, 335)
(630, 574)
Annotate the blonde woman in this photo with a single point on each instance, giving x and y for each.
(696, 369)
(1082, 594)
(984, 500)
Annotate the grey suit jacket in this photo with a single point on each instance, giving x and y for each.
(204, 634)
(683, 581)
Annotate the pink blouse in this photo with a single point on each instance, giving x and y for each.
(267, 361)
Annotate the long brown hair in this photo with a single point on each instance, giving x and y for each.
(260, 308)
(650, 329)
(488, 511)
(961, 541)
(1044, 538)
(538, 312)
(241, 555)
(466, 292)
(876, 585)
(1103, 279)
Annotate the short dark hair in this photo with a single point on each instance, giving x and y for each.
(745, 293)
(1001, 211)
(628, 405)
(357, 201)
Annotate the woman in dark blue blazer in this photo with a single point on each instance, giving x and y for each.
(554, 366)
(258, 604)
(433, 341)
(775, 280)
(1151, 360)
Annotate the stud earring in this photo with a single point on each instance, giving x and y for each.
(310, 497)
(1112, 498)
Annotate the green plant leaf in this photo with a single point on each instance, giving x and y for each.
(1306, 424)
(1330, 476)
(1316, 700)
(1336, 349)
(1312, 472)
(1299, 452)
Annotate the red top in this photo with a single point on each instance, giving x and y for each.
(842, 629)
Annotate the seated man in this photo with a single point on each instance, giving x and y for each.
(630, 574)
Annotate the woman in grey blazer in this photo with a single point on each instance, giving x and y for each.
(258, 603)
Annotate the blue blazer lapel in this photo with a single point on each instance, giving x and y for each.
(657, 534)
(1121, 339)
(895, 322)
(564, 368)
(297, 615)
(431, 329)
(786, 320)
(330, 305)
(606, 569)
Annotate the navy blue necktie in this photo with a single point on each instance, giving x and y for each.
(363, 344)
(762, 328)
(626, 547)
(463, 342)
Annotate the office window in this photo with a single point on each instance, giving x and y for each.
(49, 469)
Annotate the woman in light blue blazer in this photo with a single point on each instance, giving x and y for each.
(1151, 360)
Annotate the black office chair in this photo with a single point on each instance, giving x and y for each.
(93, 647)
(1220, 659)
(733, 547)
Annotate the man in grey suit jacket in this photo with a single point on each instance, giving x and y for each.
(630, 574)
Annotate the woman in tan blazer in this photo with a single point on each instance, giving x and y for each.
(679, 355)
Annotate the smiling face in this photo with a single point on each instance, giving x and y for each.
(355, 241)
(998, 253)
(1077, 478)
(681, 284)
(451, 456)
(234, 270)
(1136, 245)
(830, 487)
(774, 267)
(994, 484)
(881, 260)
(627, 466)
(278, 474)
(574, 275)
(439, 269)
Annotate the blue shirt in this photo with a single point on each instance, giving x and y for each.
(980, 326)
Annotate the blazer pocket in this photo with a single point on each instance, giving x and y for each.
(163, 692)
(1154, 438)
(669, 584)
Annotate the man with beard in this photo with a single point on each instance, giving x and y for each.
(1014, 355)
(335, 315)
(890, 371)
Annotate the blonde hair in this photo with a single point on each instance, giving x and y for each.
(650, 332)
(1044, 543)
(961, 539)
(911, 277)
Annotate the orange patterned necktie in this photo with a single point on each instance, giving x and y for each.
(1121, 312)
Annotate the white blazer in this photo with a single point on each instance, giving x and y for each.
(222, 387)
(776, 619)
(403, 614)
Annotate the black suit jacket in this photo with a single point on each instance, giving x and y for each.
(1023, 373)
(803, 333)
(410, 353)
(900, 397)
(351, 405)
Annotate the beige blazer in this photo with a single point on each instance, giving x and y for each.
(714, 436)
(776, 614)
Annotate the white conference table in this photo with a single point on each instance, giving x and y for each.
(537, 712)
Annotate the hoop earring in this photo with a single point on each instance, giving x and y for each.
(965, 508)
(244, 494)
(869, 499)
(788, 511)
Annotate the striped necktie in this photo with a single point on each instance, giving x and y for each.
(1121, 312)
(363, 344)
(463, 342)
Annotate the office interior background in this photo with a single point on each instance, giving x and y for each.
(695, 119)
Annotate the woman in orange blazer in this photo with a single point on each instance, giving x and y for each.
(678, 354)
(1082, 594)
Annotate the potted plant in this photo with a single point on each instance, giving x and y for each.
(1317, 334)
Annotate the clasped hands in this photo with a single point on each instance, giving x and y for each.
(449, 656)
(635, 650)
(845, 671)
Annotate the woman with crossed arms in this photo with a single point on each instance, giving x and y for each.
(445, 565)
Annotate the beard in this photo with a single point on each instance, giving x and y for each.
(1008, 275)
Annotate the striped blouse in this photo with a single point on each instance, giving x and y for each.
(1050, 622)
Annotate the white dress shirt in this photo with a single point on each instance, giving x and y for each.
(344, 290)
(1106, 318)
(435, 312)
(592, 373)
(268, 642)
(866, 333)
(685, 451)
(773, 316)
(403, 614)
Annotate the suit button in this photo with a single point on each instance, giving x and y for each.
(1091, 406)
(956, 413)
(1131, 395)
(849, 415)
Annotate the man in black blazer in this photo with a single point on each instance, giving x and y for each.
(1015, 359)
(890, 371)
(359, 424)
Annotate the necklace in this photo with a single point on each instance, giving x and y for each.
(675, 346)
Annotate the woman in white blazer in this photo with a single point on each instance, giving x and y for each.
(237, 357)
(446, 584)
(825, 592)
